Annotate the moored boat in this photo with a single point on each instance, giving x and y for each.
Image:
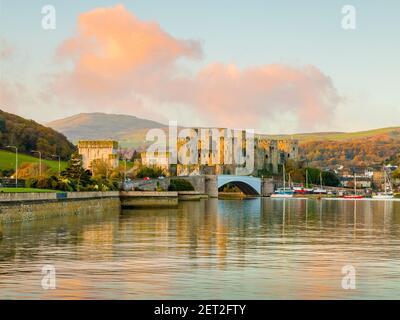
(320, 190)
(355, 195)
(283, 192)
(383, 196)
(299, 190)
(388, 192)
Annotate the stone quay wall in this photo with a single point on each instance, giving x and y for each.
(148, 199)
(16, 207)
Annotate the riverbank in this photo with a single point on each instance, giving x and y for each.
(20, 206)
(16, 206)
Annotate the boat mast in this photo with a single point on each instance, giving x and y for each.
(384, 174)
(306, 178)
(320, 178)
(284, 178)
(389, 184)
(355, 183)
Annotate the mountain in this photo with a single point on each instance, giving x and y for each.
(29, 135)
(130, 131)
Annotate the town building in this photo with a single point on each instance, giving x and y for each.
(160, 160)
(362, 181)
(98, 150)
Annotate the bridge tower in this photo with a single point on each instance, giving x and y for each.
(267, 187)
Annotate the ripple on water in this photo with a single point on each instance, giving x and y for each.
(218, 249)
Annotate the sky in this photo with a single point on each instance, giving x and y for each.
(273, 66)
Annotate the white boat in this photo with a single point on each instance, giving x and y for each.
(320, 190)
(383, 196)
(388, 193)
(283, 192)
(279, 194)
(307, 189)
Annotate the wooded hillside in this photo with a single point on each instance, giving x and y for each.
(29, 135)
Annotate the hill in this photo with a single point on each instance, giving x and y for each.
(358, 149)
(393, 132)
(362, 148)
(29, 135)
(130, 131)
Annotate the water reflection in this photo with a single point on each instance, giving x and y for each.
(258, 248)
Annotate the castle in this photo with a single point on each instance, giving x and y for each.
(213, 154)
(98, 150)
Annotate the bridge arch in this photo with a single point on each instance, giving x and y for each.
(248, 185)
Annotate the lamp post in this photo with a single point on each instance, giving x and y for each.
(16, 164)
(59, 163)
(40, 161)
(125, 171)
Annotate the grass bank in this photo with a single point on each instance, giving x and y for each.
(7, 161)
(20, 190)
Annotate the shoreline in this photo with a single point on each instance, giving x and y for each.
(16, 207)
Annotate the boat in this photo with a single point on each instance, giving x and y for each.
(307, 189)
(355, 195)
(383, 196)
(283, 192)
(320, 190)
(299, 190)
(386, 194)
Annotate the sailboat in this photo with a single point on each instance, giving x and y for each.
(297, 190)
(320, 190)
(385, 195)
(355, 195)
(307, 189)
(283, 192)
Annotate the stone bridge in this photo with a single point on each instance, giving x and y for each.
(210, 184)
(247, 184)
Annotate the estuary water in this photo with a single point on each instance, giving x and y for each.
(211, 249)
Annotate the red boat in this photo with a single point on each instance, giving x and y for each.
(299, 190)
(353, 196)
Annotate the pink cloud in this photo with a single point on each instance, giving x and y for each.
(6, 98)
(9, 96)
(111, 52)
(120, 61)
(6, 50)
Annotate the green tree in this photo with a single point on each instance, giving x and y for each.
(2, 124)
(180, 185)
(76, 174)
(329, 178)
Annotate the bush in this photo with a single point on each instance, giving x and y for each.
(151, 172)
(180, 185)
